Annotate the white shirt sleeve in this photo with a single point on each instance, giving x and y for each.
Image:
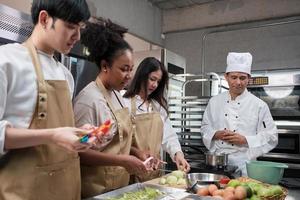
(267, 136)
(170, 142)
(207, 130)
(3, 96)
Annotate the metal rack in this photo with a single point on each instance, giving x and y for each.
(186, 112)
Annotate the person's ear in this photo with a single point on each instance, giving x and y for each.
(43, 18)
(104, 65)
(226, 76)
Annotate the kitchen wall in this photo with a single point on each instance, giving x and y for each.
(273, 37)
(139, 16)
(273, 44)
(142, 19)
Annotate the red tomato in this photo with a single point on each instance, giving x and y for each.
(224, 180)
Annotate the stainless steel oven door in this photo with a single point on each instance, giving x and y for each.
(288, 142)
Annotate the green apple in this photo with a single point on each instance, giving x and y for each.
(233, 183)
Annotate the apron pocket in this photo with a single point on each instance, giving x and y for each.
(58, 181)
(116, 177)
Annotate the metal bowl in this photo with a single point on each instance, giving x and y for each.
(198, 180)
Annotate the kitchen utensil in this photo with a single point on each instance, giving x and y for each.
(268, 172)
(216, 159)
(198, 180)
(149, 163)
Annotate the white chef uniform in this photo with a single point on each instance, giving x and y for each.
(246, 115)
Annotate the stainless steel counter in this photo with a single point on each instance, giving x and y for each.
(293, 194)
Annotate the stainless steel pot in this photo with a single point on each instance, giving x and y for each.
(216, 159)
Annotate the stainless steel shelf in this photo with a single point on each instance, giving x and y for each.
(186, 119)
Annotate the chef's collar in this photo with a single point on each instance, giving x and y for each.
(240, 97)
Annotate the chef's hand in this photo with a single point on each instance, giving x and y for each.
(219, 135)
(181, 163)
(68, 138)
(234, 138)
(133, 165)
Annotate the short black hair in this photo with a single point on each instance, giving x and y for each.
(104, 40)
(73, 11)
(140, 81)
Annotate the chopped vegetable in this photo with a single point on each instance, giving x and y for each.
(103, 129)
(143, 194)
(178, 174)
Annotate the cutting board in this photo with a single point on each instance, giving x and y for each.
(156, 182)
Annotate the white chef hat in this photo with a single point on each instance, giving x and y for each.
(239, 62)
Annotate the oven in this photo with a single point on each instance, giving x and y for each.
(281, 91)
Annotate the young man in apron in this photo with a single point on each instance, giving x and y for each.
(153, 130)
(40, 159)
(107, 168)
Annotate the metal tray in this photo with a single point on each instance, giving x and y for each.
(169, 193)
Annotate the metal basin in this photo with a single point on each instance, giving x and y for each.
(198, 180)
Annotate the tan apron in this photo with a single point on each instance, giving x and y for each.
(148, 135)
(44, 172)
(100, 179)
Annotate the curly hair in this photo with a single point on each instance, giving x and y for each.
(104, 40)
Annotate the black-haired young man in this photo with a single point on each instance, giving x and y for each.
(38, 159)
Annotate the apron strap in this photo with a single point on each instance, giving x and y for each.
(41, 84)
(105, 94)
(110, 105)
(133, 105)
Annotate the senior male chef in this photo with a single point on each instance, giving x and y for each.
(236, 122)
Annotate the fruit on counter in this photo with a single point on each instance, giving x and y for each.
(254, 186)
(203, 191)
(254, 197)
(212, 188)
(276, 190)
(233, 183)
(218, 193)
(249, 191)
(240, 192)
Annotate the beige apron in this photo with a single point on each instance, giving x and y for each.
(148, 135)
(44, 172)
(100, 179)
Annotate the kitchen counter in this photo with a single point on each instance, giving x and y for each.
(293, 194)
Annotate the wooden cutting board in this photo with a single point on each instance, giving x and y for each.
(156, 182)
